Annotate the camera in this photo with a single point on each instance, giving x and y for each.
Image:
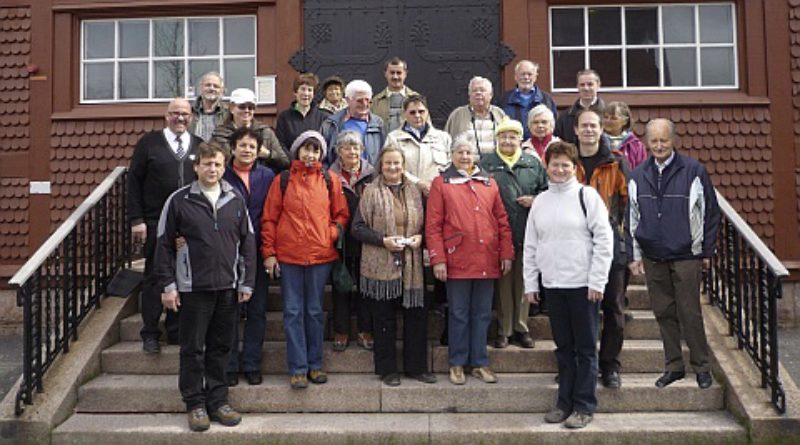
(404, 242)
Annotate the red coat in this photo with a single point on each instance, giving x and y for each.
(467, 226)
(300, 228)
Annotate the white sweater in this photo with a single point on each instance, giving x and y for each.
(568, 249)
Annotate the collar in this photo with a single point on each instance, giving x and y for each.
(666, 163)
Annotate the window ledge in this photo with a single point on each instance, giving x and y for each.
(129, 111)
(670, 99)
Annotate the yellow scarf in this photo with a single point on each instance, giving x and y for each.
(509, 160)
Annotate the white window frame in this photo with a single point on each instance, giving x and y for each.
(188, 88)
(660, 46)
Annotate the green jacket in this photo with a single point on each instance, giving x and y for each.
(528, 177)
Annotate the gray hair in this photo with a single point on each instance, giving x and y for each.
(211, 73)
(465, 139)
(483, 80)
(660, 120)
(349, 137)
(357, 86)
(539, 110)
(519, 64)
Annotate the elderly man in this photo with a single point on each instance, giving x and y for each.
(357, 117)
(208, 109)
(388, 104)
(161, 163)
(588, 86)
(206, 277)
(518, 102)
(671, 228)
(480, 117)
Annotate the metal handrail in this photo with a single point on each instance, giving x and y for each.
(67, 277)
(744, 282)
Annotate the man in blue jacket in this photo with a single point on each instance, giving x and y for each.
(671, 228)
(518, 102)
(212, 271)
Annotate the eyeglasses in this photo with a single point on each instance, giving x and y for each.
(250, 107)
(179, 114)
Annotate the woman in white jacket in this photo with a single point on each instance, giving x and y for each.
(568, 240)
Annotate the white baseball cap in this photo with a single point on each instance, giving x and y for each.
(243, 96)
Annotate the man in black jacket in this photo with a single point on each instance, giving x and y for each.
(588, 86)
(161, 163)
(212, 271)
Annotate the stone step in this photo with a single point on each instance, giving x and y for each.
(128, 358)
(643, 326)
(399, 428)
(523, 393)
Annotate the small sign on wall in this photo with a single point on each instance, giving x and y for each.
(265, 89)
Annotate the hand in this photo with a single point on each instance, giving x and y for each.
(139, 232)
(595, 296)
(171, 300)
(390, 243)
(532, 297)
(180, 242)
(706, 263)
(636, 267)
(416, 242)
(505, 266)
(271, 266)
(440, 271)
(263, 152)
(424, 187)
(525, 201)
(244, 297)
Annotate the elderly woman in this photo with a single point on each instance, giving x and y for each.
(479, 117)
(617, 126)
(355, 174)
(243, 108)
(333, 92)
(303, 114)
(426, 149)
(252, 181)
(389, 222)
(541, 123)
(520, 177)
(568, 241)
(303, 216)
(469, 243)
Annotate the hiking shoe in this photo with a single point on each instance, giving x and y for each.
(578, 420)
(150, 345)
(457, 376)
(424, 377)
(298, 381)
(365, 340)
(226, 416)
(557, 415)
(340, 342)
(611, 380)
(392, 379)
(198, 419)
(317, 376)
(484, 374)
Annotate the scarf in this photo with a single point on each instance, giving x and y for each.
(381, 279)
(540, 145)
(509, 160)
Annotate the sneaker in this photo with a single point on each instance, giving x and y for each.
(557, 415)
(317, 376)
(226, 415)
(424, 377)
(457, 376)
(365, 340)
(198, 419)
(298, 381)
(484, 374)
(578, 420)
(150, 345)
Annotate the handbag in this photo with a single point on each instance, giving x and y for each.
(341, 278)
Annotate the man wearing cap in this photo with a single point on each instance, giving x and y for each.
(520, 177)
(518, 102)
(161, 163)
(388, 104)
(208, 109)
(356, 117)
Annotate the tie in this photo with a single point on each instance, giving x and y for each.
(180, 151)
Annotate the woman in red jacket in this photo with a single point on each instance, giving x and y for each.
(298, 232)
(469, 242)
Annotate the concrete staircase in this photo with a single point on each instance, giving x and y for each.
(135, 399)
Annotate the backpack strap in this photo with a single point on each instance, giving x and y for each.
(583, 203)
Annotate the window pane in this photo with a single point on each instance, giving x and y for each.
(134, 38)
(680, 67)
(99, 40)
(641, 26)
(168, 79)
(717, 66)
(567, 27)
(607, 63)
(716, 24)
(167, 38)
(239, 36)
(566, 65)
(642, 67)
(203, 37)
(239, 74)
(133, 80)
(604, 26)
(678, 23)
(196, 70)
(98, 81)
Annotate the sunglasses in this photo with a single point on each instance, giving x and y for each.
(250, 107)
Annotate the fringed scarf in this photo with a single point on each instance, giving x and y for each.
(381, 279)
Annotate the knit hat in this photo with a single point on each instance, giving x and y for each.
(508, 125)
(301, 140)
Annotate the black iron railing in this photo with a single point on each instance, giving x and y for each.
(66, 278)
(744, 282)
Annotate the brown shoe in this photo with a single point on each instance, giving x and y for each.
(298, 381)
(226, 415)
(365, 340)
(484, 374)
(198, 419)
(317, 376)
(340, 342)
(457, 376)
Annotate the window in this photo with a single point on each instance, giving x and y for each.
(645, 47)
(148, 59)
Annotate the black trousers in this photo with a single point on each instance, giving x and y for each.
(344, 304)
(415, 336)
(613, 319)
(151, 295)
(207, 321)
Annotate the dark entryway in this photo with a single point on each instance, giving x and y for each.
(445, 43)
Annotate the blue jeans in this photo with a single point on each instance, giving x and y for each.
(256, 310)
(573, 321)
(303, 320)
(470, 308)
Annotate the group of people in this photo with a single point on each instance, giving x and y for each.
(507, 206)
